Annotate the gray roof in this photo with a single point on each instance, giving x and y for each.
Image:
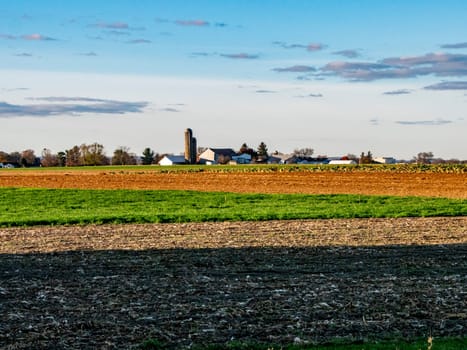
(224, 151)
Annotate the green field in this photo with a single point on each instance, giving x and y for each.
(25, 207)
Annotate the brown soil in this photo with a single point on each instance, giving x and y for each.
(390, 183)
(109, 287)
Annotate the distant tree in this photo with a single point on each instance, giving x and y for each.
(303, 152)
(14, 158)
(366, 159)
(73, 157)
(424, 157)
(245, 149)
(122, 156)
(48, 159)
(262, 151)
(61, 158)
(148, 156)
(3, 157)
(93, 154)
(28, 158)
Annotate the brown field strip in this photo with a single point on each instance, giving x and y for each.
(111, 287)
(377, 183)
(295, 233)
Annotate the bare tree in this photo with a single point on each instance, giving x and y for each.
(303, 152)
(48, 159)
(122, 156)
(93, 154)
(28, 158)
(366, 159)
(424, 157)
(73, 157)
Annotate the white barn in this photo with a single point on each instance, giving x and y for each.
(171, 159)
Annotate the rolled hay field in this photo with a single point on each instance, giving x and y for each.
(296, 282)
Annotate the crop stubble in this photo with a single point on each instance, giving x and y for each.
(112, 286)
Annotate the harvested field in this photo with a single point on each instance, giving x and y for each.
(449, 185)
(111, 287)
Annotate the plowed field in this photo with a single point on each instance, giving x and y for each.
(356, 182)
(111, 287)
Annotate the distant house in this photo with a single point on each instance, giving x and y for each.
(343, 162)
(216, 156)
(385, 160)
(171, 159)
(280, 158)
(243, 158)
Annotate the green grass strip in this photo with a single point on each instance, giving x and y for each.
(422, 344)
(26, 207)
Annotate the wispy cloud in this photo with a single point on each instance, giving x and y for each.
(310, 95)
(116, 25)
(192, 23)
(139, 41)
(116, 32)
(424, 122)
(89, 54)
(70, 106)
(455, 46)
(169, 109)
(112, 25)
(448, 85)
(8, 37)
(315, 47)
(296, 69)
(347, 53)
(24, 54)
(374, 121)
(437, 64)
(201, 54)
(14, 89)
(309, 47)
(240, 56)
(397, 92)
(37, 37)
(264, 91)
(285, 45)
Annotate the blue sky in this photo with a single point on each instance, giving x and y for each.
(337, 76)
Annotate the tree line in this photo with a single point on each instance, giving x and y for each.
(83, 155)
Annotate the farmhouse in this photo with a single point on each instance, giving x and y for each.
(171, 159)
(216, 156)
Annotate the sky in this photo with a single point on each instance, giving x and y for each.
(340, 77)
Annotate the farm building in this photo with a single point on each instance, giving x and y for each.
(343, 162)
(243, 158)
(280, 158)
(171, 159)
(385, 160)
(216, 156)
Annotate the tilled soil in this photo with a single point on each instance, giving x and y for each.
(355, 182)
(108, 287)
